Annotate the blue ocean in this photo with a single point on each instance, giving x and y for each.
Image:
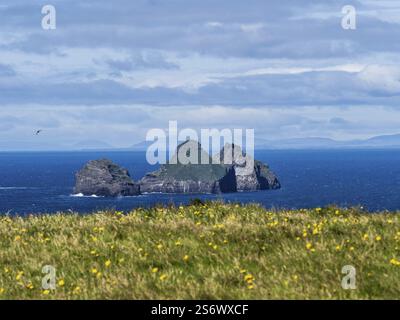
(42, 182)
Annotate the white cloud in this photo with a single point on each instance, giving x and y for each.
(252, 27)
(387, 11)
(381, 77)
(350, 68)
(214, 24)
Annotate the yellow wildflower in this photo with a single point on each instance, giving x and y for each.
(186, 258)
(249, 278)
(77, 290)
(19, 275)
(163, 277)
(154, 270)
(395, 262)
(29, 286)
(107, 263)
(61, 283)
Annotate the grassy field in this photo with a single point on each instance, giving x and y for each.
(211, 251)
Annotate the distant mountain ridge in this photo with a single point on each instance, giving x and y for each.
(384, 141)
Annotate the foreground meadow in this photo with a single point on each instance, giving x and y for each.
(203, 251)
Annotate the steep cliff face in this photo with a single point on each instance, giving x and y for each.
(251, 174)
(152, 183)
(104, 178)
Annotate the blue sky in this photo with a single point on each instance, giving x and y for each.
(114, 69)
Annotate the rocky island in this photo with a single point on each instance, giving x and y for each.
(104, 178)
(176, 177)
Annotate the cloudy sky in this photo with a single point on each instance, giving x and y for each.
(114, 69)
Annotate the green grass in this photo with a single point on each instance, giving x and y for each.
(215, 251)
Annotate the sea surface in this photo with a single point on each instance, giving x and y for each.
(42, 182)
